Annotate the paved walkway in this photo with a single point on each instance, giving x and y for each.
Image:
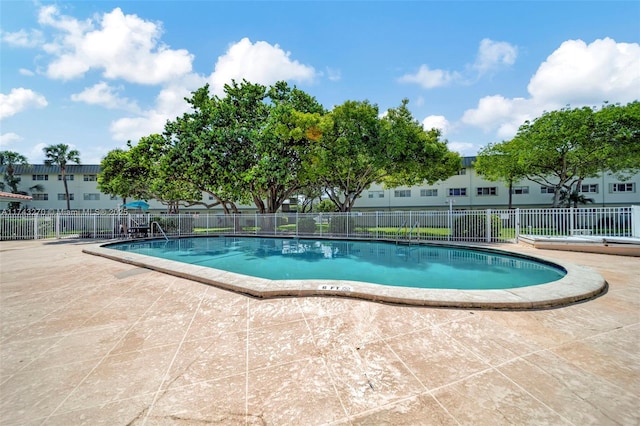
(87, 340)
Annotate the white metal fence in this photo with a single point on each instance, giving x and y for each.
(449, 225)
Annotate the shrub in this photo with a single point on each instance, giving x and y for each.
(341, 225)
(473, 227)
(173, 225)
(307, 225)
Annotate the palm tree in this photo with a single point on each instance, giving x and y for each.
(573, 198)
(11, 160)
(60, 155)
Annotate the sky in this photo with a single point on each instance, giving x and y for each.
(96, 74)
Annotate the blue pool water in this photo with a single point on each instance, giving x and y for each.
(384, 263)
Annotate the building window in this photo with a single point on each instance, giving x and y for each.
(40, 197)
(520, 190)
(592, 187)
(457, 192)
(68, 177)
(376, 194)
(622, 187)
(547, 190)
(40, 177)
(90, 178)
(91, 197)
(489, 190)
(62, 197)
(462, 172)
(402, 193)
(428, 192)
(114, 198)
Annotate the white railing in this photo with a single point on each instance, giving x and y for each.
(448, 225)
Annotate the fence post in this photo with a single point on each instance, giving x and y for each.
(517, 219)
(571, 221)
(58, 225)
(35, 227)
(488, 222)
(635, 221)
(377, 227)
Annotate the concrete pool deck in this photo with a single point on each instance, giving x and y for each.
(87, 340)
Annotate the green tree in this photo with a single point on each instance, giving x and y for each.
(562, 148)
(567, 199)
(138, 173)
(10, 160)
(210, 146)
(358, 148)
(251, 144)
(116, 177)
(60, 155)
(496, 162)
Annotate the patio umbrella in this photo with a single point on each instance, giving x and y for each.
(136, 205)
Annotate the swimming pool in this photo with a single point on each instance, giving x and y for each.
(420, 266)
(577, 284)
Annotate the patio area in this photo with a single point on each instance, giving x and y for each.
(88, 340)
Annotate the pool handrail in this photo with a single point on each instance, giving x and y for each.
(160, 228)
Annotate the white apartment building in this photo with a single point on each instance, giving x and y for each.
(466, 190)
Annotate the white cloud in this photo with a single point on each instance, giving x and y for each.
(492, 109)
(580, 73)
(106, 96)
(169, 105)
(436, 122)
(494, 54)
(36, 155)
(334, 74)
(26, 72)
(428, 78)
(491, 55)
(9, 138)
(258, 62)
(465, 149)
(122, 46)
(18, 100)
(575, 74)
(23, 38)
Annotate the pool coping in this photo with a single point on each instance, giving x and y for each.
(580, 283)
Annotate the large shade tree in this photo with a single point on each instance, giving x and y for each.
(495, 162)
(252, 144)
(562, 148)
(61, 155)
(137, 173)
(358, 148)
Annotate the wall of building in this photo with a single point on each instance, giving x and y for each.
(470, 191)
(467, 190)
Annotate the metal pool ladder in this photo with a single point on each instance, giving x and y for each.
(415, 226)
(161, 230)
(400, 228)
